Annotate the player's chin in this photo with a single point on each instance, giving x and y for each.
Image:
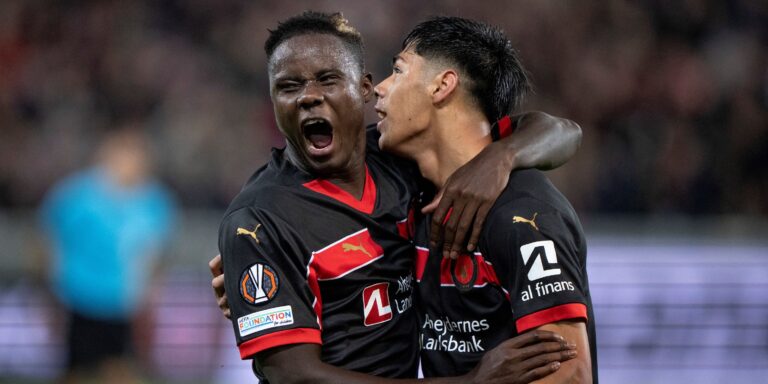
(329, 164)
(388, 145)
(385, 144)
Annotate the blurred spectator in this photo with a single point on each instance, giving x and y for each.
(107, 225)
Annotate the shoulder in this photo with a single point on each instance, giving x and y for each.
(270, 186)
(531, 208)
(528, 191)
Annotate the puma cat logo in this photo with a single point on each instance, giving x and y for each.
(532, 221)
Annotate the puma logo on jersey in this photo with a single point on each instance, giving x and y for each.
(347, 247)
(532, 221)
(243, 231)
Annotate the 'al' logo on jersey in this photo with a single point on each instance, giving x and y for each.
(532, 257)
(376, 308)
(258, 284)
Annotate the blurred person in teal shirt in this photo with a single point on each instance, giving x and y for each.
(107, 226)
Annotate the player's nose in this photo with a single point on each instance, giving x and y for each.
(310, 96)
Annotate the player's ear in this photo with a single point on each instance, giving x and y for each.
(367, 85)
(444, 84)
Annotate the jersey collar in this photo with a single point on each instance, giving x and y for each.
(366, 202)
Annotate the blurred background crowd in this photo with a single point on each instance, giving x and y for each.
(672, 97)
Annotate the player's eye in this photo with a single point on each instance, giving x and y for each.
(288, 86)
(329, 79)
(396, 69)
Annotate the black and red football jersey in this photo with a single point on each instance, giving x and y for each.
(530, 270)
(308, 263)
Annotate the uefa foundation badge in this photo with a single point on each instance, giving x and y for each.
(258, 284)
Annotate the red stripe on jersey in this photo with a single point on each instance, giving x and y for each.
(402, 228)
(505, 127)
(422, 254)
(290, 336)
(339, 259)
(346, 255)
(485, 271)
(314, 286)
(366, 202)
(551, 315)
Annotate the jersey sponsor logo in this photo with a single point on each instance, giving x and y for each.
(266, 319)
(449, 335)
(540, 267)
(347, 247)
(258, 284)
(531, 221)
(243, 231)
(376, 308)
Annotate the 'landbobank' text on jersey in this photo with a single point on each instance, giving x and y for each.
(308, 263)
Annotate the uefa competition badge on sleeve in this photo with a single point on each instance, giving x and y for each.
(258, 284)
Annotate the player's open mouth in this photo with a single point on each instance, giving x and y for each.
(319, 135)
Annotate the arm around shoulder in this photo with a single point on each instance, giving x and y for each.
(542, 141)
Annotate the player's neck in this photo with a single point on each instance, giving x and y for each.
(350, 178)
(457, 137)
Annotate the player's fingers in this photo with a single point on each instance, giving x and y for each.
(218, 285)
(537, 373)
(544, 348)
(477, 226)
(463, 226)
(449, 229)
(215, 266)
(222, 302)
(224, 306)
(429, 208)
(443, 209)
(533, 337)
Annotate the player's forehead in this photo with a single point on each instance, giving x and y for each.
(411, 60)
(406, 56)
(312, 52)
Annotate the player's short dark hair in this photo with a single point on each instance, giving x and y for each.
(311, 22)
(498, 81)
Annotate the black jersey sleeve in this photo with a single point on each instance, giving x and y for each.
(266, 283)
(538, 258)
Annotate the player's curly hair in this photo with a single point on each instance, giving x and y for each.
(497, 79)
(311, 22)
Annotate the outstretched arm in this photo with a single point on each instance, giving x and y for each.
(538, 140)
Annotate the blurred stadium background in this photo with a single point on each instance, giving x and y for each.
(671, 180)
